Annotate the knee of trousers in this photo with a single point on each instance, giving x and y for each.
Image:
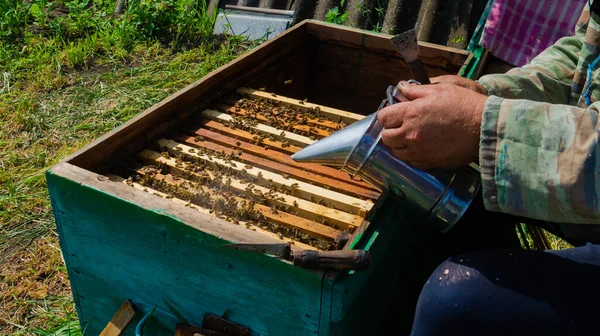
(449, 293)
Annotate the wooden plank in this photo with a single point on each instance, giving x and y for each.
(202, 209)
(279, 134)
(332, 125)
(279, 217)
(154, 192)
(120, 320)
(306, 129)
(331, 113)
(301, 189)
(247, 136)
(294, 222)
(433, 55)
(281, 157)
(282, 168)
(315, 212)
(357, 235)
(188, 101)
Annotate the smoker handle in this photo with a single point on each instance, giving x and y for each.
(338, 260)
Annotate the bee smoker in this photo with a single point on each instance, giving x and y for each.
(444, 193)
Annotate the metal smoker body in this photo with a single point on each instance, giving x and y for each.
(358, 149)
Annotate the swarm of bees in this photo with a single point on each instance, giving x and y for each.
(235, 193)
(286, 118)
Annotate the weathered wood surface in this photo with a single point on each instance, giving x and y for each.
(219, 324)
(122, 318)
(168, 254)
(97, 300)
(281, 168)
(278, 217)
(204, 210)
(362, 300)
(434, 56)
(308, 130)
(182, 329)
(301, 189)
(278, 156)
(332, 125)
(310, 210)
(280, 134)
(365, 64)
(247, 136)
(329, 112)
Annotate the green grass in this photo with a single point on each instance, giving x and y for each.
(69, 72)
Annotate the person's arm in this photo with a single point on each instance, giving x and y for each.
(540, 160)
(547, 78)
(537, 160)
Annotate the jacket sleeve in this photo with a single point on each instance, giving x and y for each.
(541, 160)
(547, 78)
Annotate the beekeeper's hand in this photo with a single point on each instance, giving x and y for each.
(439, 127)
(460, 81)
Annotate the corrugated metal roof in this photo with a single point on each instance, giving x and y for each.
(444, 22)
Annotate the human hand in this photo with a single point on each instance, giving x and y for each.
(460, 81)
(439, 127)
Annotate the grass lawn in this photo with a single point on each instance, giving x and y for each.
(69, 72)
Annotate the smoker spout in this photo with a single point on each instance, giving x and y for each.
(335, 148)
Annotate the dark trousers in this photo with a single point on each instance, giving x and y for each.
(513, 292)
(493, 287)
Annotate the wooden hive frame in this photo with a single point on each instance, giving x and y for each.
(121, 242)
(250, 169)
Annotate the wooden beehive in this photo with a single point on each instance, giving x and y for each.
(143, 212)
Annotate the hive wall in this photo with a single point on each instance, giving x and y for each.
(116, 250)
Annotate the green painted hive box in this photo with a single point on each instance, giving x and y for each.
(122, 242)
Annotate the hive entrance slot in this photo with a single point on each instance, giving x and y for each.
(234, 163)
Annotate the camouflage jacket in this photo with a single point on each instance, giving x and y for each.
(539, 136)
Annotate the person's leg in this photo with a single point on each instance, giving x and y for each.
(479, 229)
(512, 292)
